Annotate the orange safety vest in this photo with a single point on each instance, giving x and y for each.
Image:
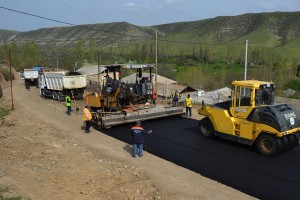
(86, 113)
(154, 95)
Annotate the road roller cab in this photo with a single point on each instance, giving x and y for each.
(252, 118)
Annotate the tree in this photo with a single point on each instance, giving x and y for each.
(79, 52)
(92, 51)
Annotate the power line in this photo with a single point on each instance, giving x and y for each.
(75, 10)
(67, 23)
(33, 15)
(108, 32)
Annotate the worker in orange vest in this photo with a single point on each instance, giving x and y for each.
(154, 96)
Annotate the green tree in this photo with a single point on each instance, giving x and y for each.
(79, 52)
(92, 51)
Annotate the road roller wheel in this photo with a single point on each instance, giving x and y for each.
(206, 128)
(267, 145)
(294, 140)
(280, 145)
(285, 143)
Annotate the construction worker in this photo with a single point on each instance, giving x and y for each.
(87, 117)
(68, 104)
(175, 98)
(137, 136)
(188, 105)
(154, 96)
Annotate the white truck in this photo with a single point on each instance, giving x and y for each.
(59, 84)
(31, 77)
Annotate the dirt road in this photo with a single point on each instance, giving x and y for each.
(45, 155)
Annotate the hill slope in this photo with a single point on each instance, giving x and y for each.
(284, 25)
(282, 28)
(5, 34)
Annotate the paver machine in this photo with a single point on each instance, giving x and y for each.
(122, 101)
(251, 117)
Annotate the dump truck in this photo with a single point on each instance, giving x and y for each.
(251, 117)
(61, 83)
(31, 77)
(121, 102)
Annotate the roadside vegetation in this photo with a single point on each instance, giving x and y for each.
(205, 54)
(4, 112)
(4, 190)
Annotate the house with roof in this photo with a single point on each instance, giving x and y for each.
(165, 86)
(92, 71)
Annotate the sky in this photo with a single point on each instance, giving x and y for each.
(137, 12)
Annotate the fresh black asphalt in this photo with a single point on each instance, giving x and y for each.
(241, 167)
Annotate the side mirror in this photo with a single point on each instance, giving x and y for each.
(203, 104)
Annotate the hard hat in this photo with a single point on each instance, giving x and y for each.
(138, 122)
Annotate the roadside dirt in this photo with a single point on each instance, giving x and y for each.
(45, 155)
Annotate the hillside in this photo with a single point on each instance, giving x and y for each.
(5, 34)
(108, 34)
(264, 29)
(284, 25)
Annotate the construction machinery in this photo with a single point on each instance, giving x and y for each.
(251, 117)
(31, 77)
(61, 83)
(121, 101)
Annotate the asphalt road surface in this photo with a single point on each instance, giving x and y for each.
(178, 140)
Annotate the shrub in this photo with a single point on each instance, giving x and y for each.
(5, 73)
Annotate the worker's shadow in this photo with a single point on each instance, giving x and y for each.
(128, 148)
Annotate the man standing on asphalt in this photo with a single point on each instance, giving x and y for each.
(137, 136)
(68, 104)
(188, 104)
(87, 117)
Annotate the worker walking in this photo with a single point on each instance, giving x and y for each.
(137, 136)
(87, 117)
(175, 98)
(188, 105)
(68, 104)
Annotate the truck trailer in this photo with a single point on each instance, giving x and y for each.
(57, 85)
(31, 77)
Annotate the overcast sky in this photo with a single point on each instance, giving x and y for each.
(138, 12)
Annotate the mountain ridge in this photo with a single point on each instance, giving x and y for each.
(222, 29)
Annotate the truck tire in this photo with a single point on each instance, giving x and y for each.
(43, 95)
(59, 96)
(54, 96)
(206, 127)
(267, 145)
(80, 96)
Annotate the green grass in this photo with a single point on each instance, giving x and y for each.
(3, 190)
(3, 112)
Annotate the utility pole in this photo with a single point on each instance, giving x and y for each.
(156, 59)
(10, 77)
(246, 60)
(99, 68)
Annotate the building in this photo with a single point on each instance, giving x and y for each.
(165, 86)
